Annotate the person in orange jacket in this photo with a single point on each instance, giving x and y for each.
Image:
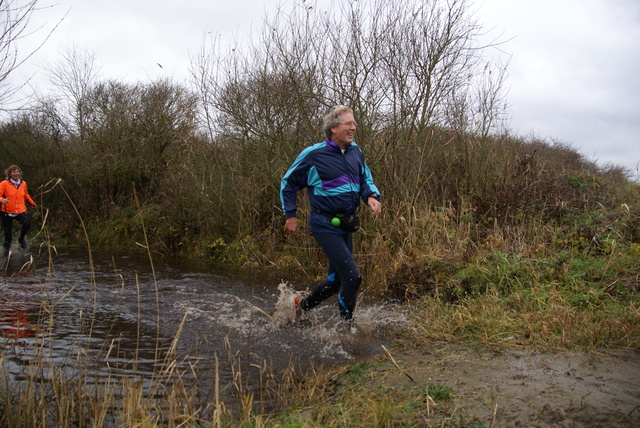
(14, 194)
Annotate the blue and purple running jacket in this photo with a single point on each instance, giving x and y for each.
(336, 183)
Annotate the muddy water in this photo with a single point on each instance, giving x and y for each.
(125, 315)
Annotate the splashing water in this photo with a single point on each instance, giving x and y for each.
(361, 337)
(255, 319)
(284, 313)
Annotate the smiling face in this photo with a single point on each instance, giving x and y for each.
(343, 134)
(15, 174)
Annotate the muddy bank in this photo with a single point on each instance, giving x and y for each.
(524, 388)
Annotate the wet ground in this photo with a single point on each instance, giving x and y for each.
(129, 316)
(524, 388)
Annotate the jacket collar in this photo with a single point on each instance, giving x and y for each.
(336, 146)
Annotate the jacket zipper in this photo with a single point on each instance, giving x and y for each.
(346, 164)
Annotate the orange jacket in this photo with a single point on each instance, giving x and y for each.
(16, 197)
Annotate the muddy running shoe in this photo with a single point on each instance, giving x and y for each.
(346, 327)
(23, 243)
(297, 310)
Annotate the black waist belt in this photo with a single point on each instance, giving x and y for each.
(326, 214)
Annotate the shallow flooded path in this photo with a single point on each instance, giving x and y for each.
(125, 315)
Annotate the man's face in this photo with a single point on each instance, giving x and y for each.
(344, 133)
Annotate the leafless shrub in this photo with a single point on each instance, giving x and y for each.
(15, 17)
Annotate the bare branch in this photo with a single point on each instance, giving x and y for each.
(15, 17)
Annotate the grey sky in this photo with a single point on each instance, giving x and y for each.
(573, 72)
(572, 75)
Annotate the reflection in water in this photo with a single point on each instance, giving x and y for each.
(127, 318)
(14, 325)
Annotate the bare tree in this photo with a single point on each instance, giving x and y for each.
(15, 17)
(401, 65)
(415, 72)
(72, 79)
(271, 93)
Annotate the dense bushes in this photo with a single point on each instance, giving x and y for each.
(200, 166)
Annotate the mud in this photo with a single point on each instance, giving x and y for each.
(525, 388)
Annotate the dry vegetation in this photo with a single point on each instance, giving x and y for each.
(491, 238)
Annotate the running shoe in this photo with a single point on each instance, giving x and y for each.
(297, 310)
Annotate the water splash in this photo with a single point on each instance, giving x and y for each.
(284, 311)
(329, 333)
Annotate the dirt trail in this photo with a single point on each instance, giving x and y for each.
(529, 389)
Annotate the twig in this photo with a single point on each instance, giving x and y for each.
(262, 311)
(495, 414)
(396, 364)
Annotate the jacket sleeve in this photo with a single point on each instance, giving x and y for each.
(2, 206)
(367, 187)
(294, 179)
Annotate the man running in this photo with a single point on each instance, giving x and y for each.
(337, 178)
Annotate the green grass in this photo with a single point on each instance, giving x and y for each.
(561, 302)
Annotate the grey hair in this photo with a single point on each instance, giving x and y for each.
(332, 119)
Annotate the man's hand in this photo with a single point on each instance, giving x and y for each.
(292, 224)
(375, 205)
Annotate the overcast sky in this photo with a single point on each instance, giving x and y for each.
(573, 71)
